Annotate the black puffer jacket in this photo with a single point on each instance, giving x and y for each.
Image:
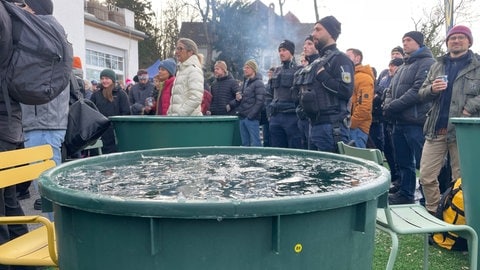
(402, 103)
(223, 91)
(10, 126)
(253, 99)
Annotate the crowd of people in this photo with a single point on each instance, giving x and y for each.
(329, 96)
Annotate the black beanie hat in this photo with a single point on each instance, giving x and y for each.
(333, 26)
(109, 73)
(287, 45)
(398, 49)
(415, 35)
(396, 62)
(309, 37)
(41, 7)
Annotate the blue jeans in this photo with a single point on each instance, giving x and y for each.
(53, 137)
(408, 143)
(284, 131)
(250, 132)
(322, 137)
(359, 137)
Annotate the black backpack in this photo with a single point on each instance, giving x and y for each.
(40, 65)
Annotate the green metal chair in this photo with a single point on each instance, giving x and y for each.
(415, 219)
(374, 155)
(410, 218)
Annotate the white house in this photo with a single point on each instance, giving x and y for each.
(103, 37)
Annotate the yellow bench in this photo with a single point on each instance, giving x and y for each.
(37, 247)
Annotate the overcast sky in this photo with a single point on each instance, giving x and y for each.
(373, 26)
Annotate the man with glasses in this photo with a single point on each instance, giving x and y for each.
(453, 85)
(141, 94)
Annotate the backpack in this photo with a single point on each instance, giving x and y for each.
(451, 211)
(41, 61)
(85, 123)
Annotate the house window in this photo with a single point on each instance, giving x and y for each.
(98, 61)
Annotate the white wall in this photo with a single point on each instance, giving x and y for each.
(70, 14)
(113, 43)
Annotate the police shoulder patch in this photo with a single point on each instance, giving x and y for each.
(346, 77)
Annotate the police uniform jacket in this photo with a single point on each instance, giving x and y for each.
(325, 96)
(285, 99)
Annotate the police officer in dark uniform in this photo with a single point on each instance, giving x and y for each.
(283, 126)
(311, 54)
(326, 86)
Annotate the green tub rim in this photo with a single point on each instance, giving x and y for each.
(182, 119)
(97, 203)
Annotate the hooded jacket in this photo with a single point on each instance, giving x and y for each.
(362, 98)
(402, 103)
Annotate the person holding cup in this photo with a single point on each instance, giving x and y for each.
(453, 86)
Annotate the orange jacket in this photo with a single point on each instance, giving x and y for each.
(362, 98)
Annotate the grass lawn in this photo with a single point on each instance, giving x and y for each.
(410, 254)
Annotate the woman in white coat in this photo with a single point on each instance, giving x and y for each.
(187, 91)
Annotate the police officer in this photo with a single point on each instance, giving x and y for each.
(283, 126)
(326, 88)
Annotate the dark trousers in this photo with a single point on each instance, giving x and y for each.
(376, 137)
(324, 137)
(389, 151)
(284, 131)
(9, 206)
(408, 143)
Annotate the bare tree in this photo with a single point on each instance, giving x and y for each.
(432, 23)
(169, 27)
(208, 13)
(144, 21)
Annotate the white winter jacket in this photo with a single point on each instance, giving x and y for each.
(187, 90)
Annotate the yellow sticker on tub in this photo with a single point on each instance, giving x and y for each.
(298, 248)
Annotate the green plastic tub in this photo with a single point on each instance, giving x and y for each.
(150, 132)
(468, 141)
(327, 230)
